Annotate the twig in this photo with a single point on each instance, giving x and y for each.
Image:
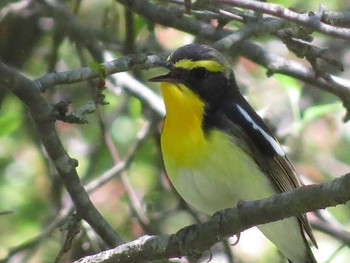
(6, 212)
(10, 8)
(247, 31)
(120, 166)
(135, 203)
(141, 91)
(332, 230)
(119, 65)
(310, 20)
(72, 28)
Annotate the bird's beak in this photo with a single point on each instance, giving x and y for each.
(162, 78)
(166, 77)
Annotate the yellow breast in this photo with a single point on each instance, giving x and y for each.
(182, 140)
(199, 164)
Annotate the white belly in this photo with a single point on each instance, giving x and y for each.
(224, 177)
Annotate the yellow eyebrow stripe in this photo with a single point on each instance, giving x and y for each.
(210, 65)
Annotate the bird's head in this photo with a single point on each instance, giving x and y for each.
(201, 69)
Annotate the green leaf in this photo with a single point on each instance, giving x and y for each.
(9, 122)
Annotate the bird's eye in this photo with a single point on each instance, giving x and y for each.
(199, 72)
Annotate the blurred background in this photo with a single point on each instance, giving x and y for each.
(38, 37)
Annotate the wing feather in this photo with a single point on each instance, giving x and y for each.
(249, 130)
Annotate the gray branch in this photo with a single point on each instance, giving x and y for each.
(311, 20)
(199, 238)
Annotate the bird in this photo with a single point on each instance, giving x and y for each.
(217, 151)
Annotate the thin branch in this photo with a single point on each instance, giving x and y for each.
(120, 166)
(42, 114)
(228, 222)
(135, 203)
(333, 230)
(13, 8)
(141, 91)
(311, 20)
(249, 30)
(69, 24)
(337, 18)
(119, 65)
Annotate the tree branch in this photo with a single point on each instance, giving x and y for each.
(42, 113)
(199, 238)
(119, 65)
(311, 20)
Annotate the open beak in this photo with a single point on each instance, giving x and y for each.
(163, 78)
(166, 77)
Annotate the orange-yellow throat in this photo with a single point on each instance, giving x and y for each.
(183, 140)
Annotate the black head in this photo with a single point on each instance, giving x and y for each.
(202, 69)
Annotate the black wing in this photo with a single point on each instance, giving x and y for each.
(240, 120)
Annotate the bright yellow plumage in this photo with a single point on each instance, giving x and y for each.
(216, 149)
(199, 164)
(209, 171)
(182, 134)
